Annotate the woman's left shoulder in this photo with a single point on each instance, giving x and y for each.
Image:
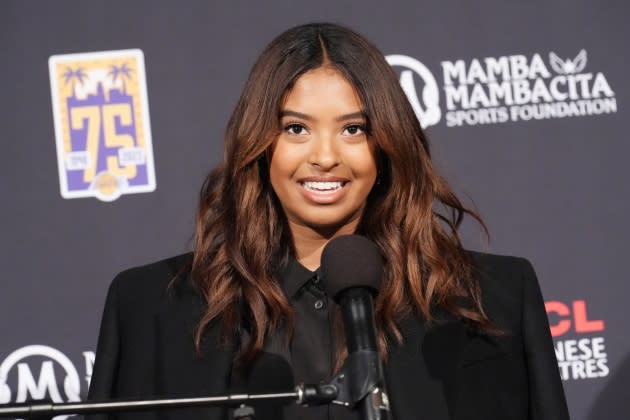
(508, 283)
(504, 271)
(503, 264)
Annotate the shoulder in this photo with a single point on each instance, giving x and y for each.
(148, 285)
(505, 282)
(502, 266)
(502, 272)
(155, 274)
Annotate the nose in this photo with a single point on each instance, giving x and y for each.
(323, 153)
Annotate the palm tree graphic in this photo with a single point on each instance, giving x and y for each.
(74, 76)
(123, 72)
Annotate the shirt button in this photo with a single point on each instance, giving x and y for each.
(319, 304)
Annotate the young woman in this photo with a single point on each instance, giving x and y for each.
(322, 143)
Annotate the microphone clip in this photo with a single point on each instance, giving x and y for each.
(361, 377)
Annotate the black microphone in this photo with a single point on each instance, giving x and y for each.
(352, 268)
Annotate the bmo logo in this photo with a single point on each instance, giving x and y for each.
(37, 372)
(579, 344)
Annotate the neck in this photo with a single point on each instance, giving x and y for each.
(309, 243)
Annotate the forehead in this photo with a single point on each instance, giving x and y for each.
(323, 88)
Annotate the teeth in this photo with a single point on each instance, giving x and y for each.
(322, 186)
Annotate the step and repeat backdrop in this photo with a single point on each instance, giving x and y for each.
(113, 112)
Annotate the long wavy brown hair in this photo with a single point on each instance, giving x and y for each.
(242, 237)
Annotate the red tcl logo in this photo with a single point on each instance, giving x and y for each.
(574, 316)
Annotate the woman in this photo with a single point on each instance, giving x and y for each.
(323, 143)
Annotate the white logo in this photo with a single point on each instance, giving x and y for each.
(31, 388)
(510, 88)
(568, 66)
(431, 114)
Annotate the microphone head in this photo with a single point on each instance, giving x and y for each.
(351, 261)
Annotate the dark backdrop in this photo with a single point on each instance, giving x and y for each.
(548, 171)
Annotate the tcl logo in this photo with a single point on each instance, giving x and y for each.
(574, 316)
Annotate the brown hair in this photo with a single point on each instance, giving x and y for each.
(242, 236)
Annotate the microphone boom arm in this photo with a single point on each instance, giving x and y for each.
(303, 395)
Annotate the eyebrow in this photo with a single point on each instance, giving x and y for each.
(344, 117)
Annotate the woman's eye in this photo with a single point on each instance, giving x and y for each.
(354, 130)
(295, 129)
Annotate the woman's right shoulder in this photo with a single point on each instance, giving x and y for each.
(152, 282)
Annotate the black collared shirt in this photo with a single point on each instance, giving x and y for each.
(311, 349)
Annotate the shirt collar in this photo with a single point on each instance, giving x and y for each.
(295, 276)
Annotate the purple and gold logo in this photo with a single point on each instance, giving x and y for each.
(102, 126)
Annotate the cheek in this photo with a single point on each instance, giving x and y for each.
(276, 176)
(370, 167)
(364, 164)
(283, 165)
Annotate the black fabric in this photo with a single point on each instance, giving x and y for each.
(310, 350)
(442, 371)
(308, 353)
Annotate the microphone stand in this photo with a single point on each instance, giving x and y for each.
(303, 394)
(359, 381)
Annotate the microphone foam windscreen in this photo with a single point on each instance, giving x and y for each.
(351, 261)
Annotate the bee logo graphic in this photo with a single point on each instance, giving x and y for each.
(568, 66)
(102, 126)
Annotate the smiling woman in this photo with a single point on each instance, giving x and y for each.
(322, 143)
(322, 164)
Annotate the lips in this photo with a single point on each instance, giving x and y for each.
(323, 190)
(327, 186)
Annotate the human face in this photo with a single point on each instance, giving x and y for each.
(322, 164)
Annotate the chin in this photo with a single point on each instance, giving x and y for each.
(333, 224)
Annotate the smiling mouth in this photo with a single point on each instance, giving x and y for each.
(327, 186)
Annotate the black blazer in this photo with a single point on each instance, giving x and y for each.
(145, 348)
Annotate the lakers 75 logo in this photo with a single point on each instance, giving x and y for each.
(102, 126)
